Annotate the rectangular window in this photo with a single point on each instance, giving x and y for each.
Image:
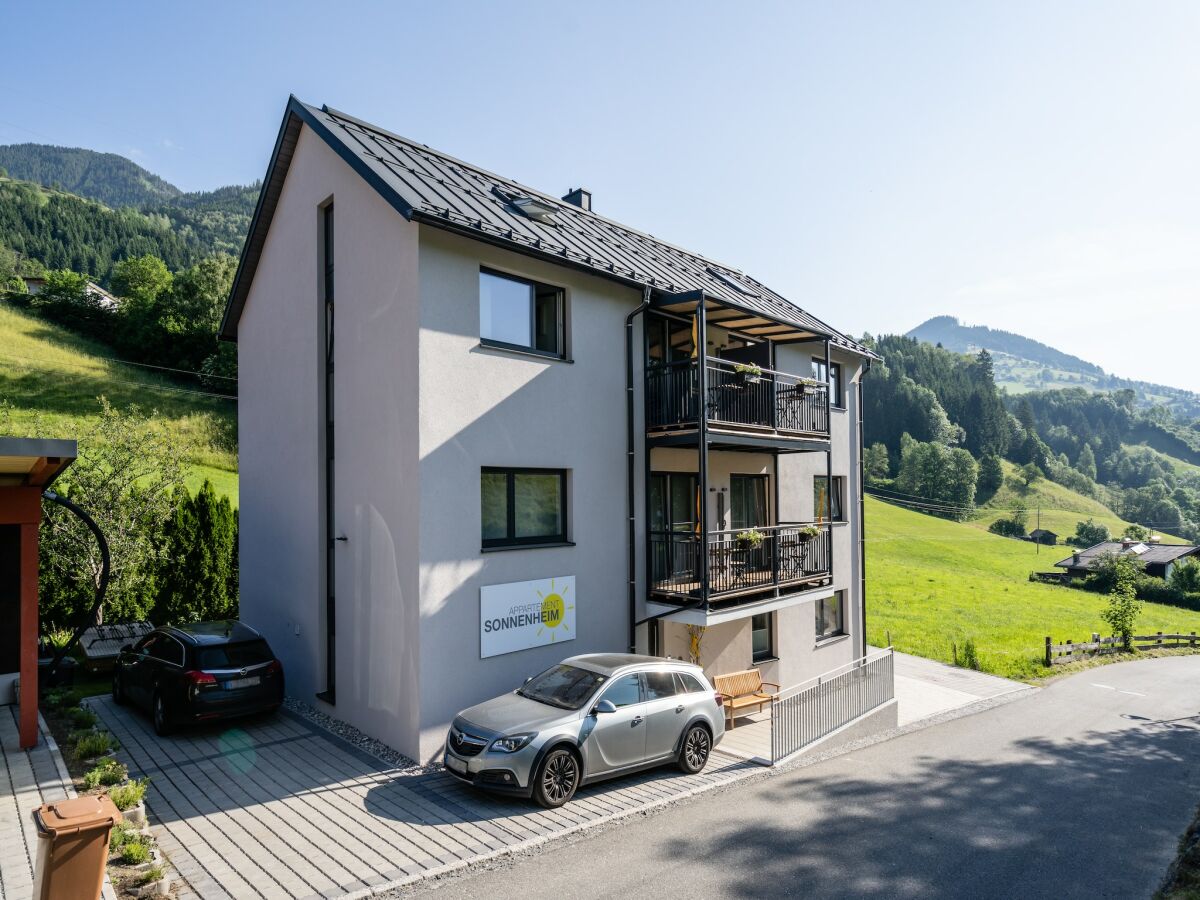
(826, 503)
(521, 314)
(762, 637)
(830, 615)
(522, 507)
(833, 377)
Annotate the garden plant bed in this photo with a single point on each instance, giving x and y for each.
(131, 869)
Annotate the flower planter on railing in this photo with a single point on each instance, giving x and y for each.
(736, 395)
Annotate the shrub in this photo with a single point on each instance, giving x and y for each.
(970, 656)
(127, 796)
(151, 875)
(93, 743)
(1185, 576)
(135, 850)
(1089, 534)
(106, 772)
(121, 833)
(82, 718)
(1012, 527)
(1123, 604)
(61, 699)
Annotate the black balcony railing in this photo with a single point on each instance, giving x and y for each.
(740, 562)
(766, 399)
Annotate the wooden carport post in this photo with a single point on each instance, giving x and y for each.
(22, 506)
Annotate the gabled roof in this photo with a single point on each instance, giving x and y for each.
(435, 189)
(1144, 553)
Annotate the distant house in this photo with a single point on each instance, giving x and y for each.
(1159, 559)
(1043, 536)
(34, 285)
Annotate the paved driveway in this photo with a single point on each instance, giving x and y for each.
(276, 807)
(1081, 789)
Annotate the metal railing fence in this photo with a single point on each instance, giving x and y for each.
(809, 711)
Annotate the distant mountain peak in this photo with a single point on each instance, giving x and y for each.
(1023, 364)
(107, 177)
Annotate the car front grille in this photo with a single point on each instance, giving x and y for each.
(466, 744)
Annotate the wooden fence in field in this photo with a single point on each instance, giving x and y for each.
(1057, 654)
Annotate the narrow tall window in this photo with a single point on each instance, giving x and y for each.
(833, 377)
(827, 501)
(762, 637)
(831, 615)
(327, 290)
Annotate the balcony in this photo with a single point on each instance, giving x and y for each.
(737, 400)
(789, 555)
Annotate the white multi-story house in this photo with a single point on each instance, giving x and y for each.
(479, 432)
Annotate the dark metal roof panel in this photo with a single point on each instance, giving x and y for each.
(442, 191)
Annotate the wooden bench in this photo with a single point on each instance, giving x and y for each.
(742, 690)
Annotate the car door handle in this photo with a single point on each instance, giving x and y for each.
(679, 708)
(637, 720)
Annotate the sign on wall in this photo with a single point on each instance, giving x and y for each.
(524, 614)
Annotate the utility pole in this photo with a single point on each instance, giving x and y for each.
(1039, 528)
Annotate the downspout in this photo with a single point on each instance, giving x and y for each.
(630, 445)
(862, 510)
(101, 588)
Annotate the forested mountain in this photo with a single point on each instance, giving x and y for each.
(59, 230)
(1023, 364)
(924, 404)
(107, 177)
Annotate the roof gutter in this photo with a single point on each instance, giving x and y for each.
(630, 492)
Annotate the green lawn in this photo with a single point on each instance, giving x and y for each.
(931, 582)
(48, 373)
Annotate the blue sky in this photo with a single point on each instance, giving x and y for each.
(1026, 165)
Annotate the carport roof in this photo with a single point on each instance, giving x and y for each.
(33, 462)
(433, 188)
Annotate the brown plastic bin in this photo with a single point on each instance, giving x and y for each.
(72, 847)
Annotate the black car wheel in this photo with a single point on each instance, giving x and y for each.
(697, 745)
(556, 779)
(118, 689)
(162, 724)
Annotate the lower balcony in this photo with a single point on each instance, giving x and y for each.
(744, 562)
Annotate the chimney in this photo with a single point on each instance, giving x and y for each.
(579, 197)
(1075, 559)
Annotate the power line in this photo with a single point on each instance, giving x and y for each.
(129, 362)
(138, 384)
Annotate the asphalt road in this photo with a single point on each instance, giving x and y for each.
(1081, 790)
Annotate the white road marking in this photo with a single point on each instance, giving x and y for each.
(1109, 687)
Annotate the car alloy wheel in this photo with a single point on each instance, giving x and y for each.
(559, 777)
(696, 747)
(160, 715)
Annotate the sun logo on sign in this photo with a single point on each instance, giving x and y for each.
(554, 610)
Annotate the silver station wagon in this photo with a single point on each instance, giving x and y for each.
(584, 720)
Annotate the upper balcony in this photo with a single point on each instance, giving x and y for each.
(735, 399)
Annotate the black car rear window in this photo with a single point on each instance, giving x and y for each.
(234, 656)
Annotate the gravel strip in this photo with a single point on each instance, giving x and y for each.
(394, 758)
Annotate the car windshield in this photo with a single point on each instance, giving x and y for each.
(563, 686)
(233, 656)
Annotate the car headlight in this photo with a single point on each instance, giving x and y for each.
(511, 743)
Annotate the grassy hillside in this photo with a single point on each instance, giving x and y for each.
(1061, 508)
(51, 374)
(931, 582)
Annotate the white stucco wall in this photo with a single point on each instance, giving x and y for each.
(486, 407)
(280, 446)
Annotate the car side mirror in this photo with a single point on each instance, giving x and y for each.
(604, 706)
(528, 678)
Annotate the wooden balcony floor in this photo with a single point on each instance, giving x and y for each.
(747, 582)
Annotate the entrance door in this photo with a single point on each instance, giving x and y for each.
(748, 509)
(674, 506)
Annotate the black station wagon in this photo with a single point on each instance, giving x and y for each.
(199, 672)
